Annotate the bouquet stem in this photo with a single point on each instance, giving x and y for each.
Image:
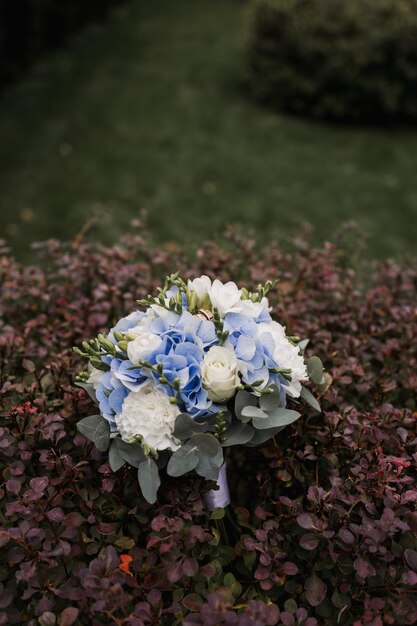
(218, 498)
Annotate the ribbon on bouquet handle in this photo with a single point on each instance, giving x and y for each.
(218, 498)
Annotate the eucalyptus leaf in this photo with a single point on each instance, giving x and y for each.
(208, 467)
(261, 436)
(97, 430)
(315, 369)
(183, 460)
(270, 401)
(115, 460)
(238, 434)
(254, 411)
(186, 427)
(243, 399)
(132, 453)
(89, 388)
(279, 417)
(308, 397)
(205, 443)
(149, 481)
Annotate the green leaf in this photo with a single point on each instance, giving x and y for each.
(244, 398)
(186, 427)
(126, 543)
(308, 397)
(253, 411)
(206, 444)
(208, 466)
(88, 387)
(97, 430)
(279, 417)
(270, 401)
(315, 369)
(132, 453)
(217, 513)
(115, 460)
(149, 480)
(238, 434)
(183, 460)
(261, 436)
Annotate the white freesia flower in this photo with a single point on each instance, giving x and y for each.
(225, 297)
(142, 344)
(254, 309)
(219, 373)
(201, 286)
(287, 356)
(149, 413)
(95, 376)
(144, 340)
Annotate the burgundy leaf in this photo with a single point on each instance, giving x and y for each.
(363, 568)
(189, 567)
(73, 519)
(308, 541)
(68, 616)
(411, 558)
(39, 484)
(305, 521)
(13, 486)
(315, 590)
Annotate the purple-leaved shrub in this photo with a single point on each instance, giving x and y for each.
(326, 514)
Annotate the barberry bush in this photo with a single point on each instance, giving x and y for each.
(323, 528)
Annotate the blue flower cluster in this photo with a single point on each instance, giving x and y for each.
(173, 349)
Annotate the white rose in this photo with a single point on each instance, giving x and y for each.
(141, 345)
(201, 286)
(287, 356)
(225, 297)
(219, 373)
(149, 413)
(95, 376)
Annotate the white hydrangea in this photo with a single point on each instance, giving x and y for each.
(287, 356)
(149, 413)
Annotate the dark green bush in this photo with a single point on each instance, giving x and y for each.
(335, 59)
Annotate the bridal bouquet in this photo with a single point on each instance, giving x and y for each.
(203, 367)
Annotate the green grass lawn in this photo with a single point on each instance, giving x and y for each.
(146, 112)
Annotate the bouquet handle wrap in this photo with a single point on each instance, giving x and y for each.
(218, 498)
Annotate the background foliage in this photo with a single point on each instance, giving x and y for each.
(326, 515)
(353, 60)
(30, 27)
(146, 111)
